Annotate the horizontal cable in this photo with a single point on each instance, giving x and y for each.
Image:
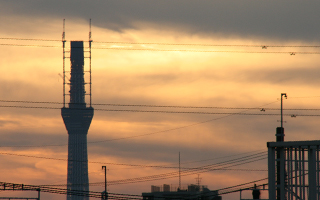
(12, 186)
(210, 45)
(203, 169)
(168, 106)
(29, 45)
(152, 133)
(156, 132)
(170, 44)
(208, 51)
(81, 161)
(145, 105)
(207, 168)
(164, 111)
(175, 50)
(236, 188)
(30, 39)
(108, 163)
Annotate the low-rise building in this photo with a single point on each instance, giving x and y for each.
(194, 192)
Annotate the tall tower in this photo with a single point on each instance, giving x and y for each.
(77, 119)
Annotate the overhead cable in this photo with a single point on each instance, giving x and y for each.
(105, 163)
(171, 112)
(225, 165)
(170, 44)
(162, 131)
(24, 187)
(167, 106)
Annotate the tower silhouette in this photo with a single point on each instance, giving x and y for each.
(77, 119)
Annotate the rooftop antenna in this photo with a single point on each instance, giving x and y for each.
(64, 61)
(198, 179)
(90, 41)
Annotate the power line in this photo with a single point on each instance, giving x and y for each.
(222, 157)
(210, 45)
(209, 51)
(167, 106)
(172, 44)
(29, 45)
(232, 189)
(306, 97)
(38, 102)
(172, 106)
(173, 112)
(53, 190)
(39, 188)
(178, 50)
(205, 160)
(163, 131)
(166, 176)
(203, 107)
(219, 166)
(197, 170)
(81, 161)
(225, 165)
(30, 39)
(108, 163)
(172, 50)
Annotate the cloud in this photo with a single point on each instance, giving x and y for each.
(304, 76)
(285, 20)
(183, 78)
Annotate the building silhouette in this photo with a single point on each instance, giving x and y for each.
(77, 118)
(194, 192)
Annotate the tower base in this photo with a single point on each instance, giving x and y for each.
(77, 122)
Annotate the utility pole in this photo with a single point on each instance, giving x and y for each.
(179, 173)
(280, 130)
(105, 193)
(285, 95)
(280, 155)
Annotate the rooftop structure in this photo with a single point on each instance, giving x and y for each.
(298, 171)
(194, 192)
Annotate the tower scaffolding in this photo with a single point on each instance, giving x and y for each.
(77, 118)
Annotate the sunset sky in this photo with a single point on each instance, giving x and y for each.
(173, 54)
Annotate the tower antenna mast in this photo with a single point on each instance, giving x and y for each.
(64, 62)
(90, 41)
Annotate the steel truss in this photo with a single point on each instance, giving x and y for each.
(298, 171)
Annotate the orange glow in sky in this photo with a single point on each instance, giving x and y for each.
(148, 65)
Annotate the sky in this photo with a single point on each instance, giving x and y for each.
(196, 60)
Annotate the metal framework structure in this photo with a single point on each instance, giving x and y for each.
(299, 171)
(64, 53)
(19, 187)
(77, 118)
(47, 189)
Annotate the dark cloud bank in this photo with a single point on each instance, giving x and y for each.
(279, 20)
